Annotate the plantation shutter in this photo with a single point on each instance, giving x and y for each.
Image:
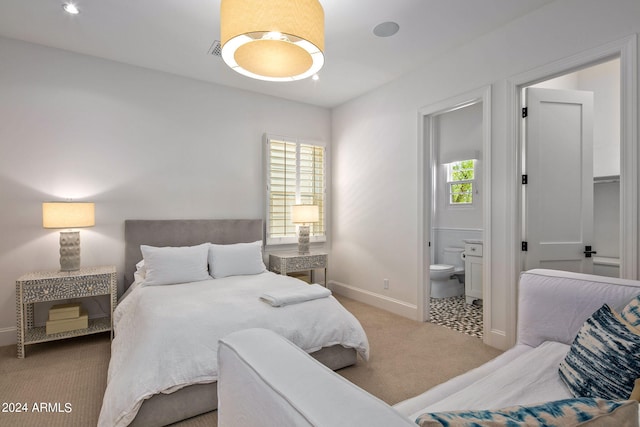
(295, 174)
(282, 188)
(311, 182)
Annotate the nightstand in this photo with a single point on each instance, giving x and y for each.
(289, 262)
(47, 286)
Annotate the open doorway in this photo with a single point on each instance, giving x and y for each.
(454, 209)
(571, 170)
(455, 295)
(626, 51)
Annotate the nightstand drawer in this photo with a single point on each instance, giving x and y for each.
(306, 263)
(66, 288)
(286, 263)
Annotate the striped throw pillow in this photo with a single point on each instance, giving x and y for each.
(631, 313)
(561, 413)
(604, 359)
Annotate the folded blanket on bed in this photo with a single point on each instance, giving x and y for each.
(280, 297)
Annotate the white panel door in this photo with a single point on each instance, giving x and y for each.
(559, 167)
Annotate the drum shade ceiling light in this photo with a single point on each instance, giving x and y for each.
(274, 40)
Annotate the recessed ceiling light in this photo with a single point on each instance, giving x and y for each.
(386, 29)
(70, 8)
(315, 77)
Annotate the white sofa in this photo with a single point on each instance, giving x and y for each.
(265, 380)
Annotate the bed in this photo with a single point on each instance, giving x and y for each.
(163, 366)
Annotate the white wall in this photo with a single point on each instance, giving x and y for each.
(606, 219)
(375, 146)
(140, 144)
(459, 137)
(604, 81)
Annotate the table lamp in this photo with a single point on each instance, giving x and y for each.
(304, 215)
(68, 215)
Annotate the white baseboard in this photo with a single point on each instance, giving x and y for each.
(8, 336)
(497, 339)
(395, 306)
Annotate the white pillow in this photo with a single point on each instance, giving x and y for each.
(236, 259)
(141, 271)
(170, 265)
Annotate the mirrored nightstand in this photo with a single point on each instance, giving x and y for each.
(47, 286)
(290, 262)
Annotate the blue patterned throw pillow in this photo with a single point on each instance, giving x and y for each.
(561, 413)
(604, 359)
(631, 313)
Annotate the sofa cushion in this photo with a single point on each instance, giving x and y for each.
(553, 305)
(565, 413)
(604, 359)
(529, 379)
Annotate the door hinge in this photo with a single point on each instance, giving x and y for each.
(525, 112)
(525, 179)
(525, 246)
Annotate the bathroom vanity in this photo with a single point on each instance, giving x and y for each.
(473, 270)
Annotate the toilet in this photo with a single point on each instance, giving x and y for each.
(447, 280)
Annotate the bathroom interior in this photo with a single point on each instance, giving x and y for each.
(456, 228)
(456, 286)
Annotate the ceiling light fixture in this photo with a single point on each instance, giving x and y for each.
(70, 8)
(273, 40)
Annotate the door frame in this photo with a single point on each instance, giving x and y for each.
(426, 191)
(626, 50)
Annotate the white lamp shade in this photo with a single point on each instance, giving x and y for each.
(274, 40)
(304, 214)
(68, 214)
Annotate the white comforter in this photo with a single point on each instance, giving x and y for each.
(166, 337)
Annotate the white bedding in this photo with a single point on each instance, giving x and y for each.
(166, 337)
(513, 384)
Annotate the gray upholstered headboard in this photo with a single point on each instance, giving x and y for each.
(188, 232)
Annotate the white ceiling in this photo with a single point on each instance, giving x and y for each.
(175, 35)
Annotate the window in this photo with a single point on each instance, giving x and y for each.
(460, 180)
(295, 174)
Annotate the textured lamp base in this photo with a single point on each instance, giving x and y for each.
(69, 250)
(303, 239)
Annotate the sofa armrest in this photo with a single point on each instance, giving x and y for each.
(263, 379)
(553, 305)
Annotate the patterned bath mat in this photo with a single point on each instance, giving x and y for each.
(454, 313)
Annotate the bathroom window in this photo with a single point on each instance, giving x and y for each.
(461, 180)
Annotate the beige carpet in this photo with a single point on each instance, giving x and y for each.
(407, 358)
